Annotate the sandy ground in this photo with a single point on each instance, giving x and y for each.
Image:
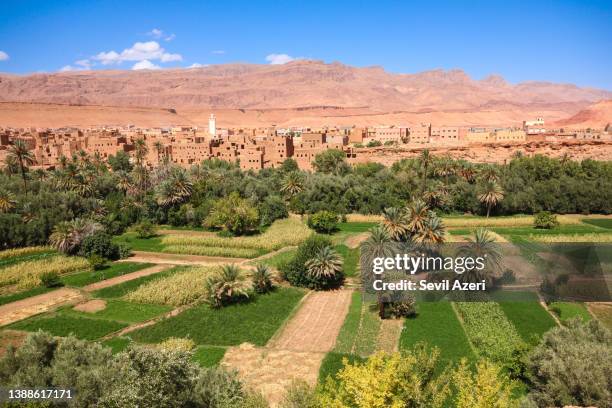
(127, 277)
(316, 324)
(389, 335)
(22, 309)
(10, 338)
(91, 306)
(354, 241)
(176, 259)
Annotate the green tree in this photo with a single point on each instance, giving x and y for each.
(19, 152)
(331, 161)
(487, 387)
(233, 214)
(395, 222)
(490, 195)
(482, 245)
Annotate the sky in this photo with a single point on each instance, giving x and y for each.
(557, 41)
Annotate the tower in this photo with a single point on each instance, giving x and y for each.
(212, 125)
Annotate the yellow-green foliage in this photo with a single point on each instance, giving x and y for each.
(571, 238)
(10, 253)
(511, 221)
(381, 382)
(289, 231)
(363, 218)
(487, 387)
(26, 275)
(176, 290)
(212, 251)
(176, 344)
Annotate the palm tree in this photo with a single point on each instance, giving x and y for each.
(489, 173)
(68, 235)
(7, 201)
(327, 263)
(433, 231)
(141, 150)
(10, 166)
(293, 184)
(175, 190)
(425, 158)
(228, 285)
(262, 278)
(159, 146)
(445, 168)
(395, 222)
(483, 245)
(20, 153)
(417, 212)
(467, 172)
(491, 194)
(378, 245)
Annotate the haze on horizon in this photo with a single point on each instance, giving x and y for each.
(563, 41)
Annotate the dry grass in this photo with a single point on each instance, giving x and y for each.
(177, 290)
(363, 218)
(282, 233)
(26, 275)
(472, 221)
(560, 238)
(195, 249)
(11, 253)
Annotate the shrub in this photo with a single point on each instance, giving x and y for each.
(272, 209)
(124, 250)
(96, 262)
(545, 220)
(488, 386)
(227, 286)
(176, 344)
(323, 221)
(572, 366)
(50, 280)
(145, 229)
(374, 143)
(101, 244)
(233, 214)
(402, 308)
(262, 279)
(325, 268)
(299, 394)
(295, 270)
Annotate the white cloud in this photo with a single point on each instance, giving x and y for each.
(3, 56)
(84, 63)
(145, 64)
(150, 50)
(277, 59)
(197, 65)
(158, 34)
(218, 52)
(68, 68)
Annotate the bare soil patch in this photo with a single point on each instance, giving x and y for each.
(91, 306)
(270, 371)
(10, 338)
(316, 324)
(354, 241)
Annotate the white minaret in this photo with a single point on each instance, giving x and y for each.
(212, 125)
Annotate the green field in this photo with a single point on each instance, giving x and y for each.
(254, 322)
(280, 258)
(437, 325)
(599, 222)
(350, 257)
(346, 339)
(530, 319)
(121, 311)
(117, 344)
(152, 244)
(81, 279)
(333, 362)
(43, 253)
(569, 310)
(356, 226)
(208, 356)
(63, 325)
(13, 297)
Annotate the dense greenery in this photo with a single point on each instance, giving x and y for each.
(83, 187)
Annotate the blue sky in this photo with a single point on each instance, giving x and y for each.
(559, 41)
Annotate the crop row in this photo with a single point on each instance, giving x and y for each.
(27, 275)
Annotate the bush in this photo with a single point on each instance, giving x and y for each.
(176, 344)
(262, 279)
(402, 308)
(50, 280)
(572, 366)
(272, 209)
(124, 250)
(295, 271)
(101, 244)
(226, 287)
(299, 394)
(545, 220)
(323, 222)
(96, 262)
(233, 214)
(145, 229)
(374, 143)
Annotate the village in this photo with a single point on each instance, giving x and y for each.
(259, 148)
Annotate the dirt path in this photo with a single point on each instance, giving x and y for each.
(389, 335)
(22, 309)
(354, 241)
(127, 277)
(178, 259)
(316, 324)
(297, 352)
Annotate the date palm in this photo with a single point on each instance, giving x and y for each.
(482, 245)
(174, 190)
(327, 263)
(417, 212)
(491, 194)
(445, 168)
(432, 232)
(293, 184)
(425, 159)
(7, 201)
(159, 147)
(19, 152)
(395, 222)
(141, 150)
(228, 285)
(68, 235)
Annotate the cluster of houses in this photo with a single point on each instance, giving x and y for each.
(262, 148)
